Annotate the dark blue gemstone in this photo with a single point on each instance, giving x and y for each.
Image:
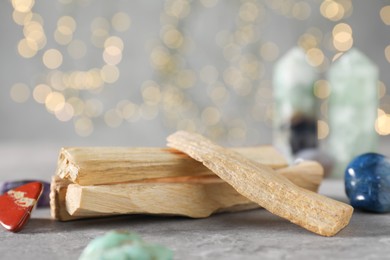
(367, 182)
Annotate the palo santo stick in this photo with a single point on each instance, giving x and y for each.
(258, 183)
(196, 200)
(192, 196)
(106, 165)
(58, 188)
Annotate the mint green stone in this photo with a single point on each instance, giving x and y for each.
(124, 246)
(352, 109)
(295, 106)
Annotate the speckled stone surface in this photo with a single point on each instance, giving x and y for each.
(249, 235)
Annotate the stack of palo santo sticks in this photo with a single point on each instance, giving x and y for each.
(107, 181)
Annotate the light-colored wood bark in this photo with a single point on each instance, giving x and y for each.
(106, 165)
(192, 196)
(258, 183)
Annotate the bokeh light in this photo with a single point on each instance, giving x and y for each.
(20, 92)
(73, 89)
(52, 59)
(385, 14)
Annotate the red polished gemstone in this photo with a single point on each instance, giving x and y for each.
(16, 205)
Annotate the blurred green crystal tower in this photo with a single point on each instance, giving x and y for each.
(352, 109)
(295, 110)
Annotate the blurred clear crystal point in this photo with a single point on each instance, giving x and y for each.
(352, 108)
(295, 123)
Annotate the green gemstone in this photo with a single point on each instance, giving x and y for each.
(352, 109)
(295, 119)
(124, 245)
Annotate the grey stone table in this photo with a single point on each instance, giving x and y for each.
(254, 234)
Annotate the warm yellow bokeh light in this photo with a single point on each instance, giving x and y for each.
(387, 53)
(20, 92)
(113, 118)
(160, 58)
(342, 37)
(66, 24)
(109, 74)
(27, 49)
(41, 92)
(21, 18)
(77, 105)
(83, 126)
(385, 14)
(61, 38)
(114, 41)
(130, 112)
(322, 129)
(343, 46)
(248, 12)
(307, 41)
(381, 89)
(121, 22)
(341, 27)
(173, 38)
(64, 114)
(35, 35)
(23, 6)
(315, 57)
(332, 10)
(54, 101)
(321, 89)
(52, 59)
(382, 124)
(112, 55)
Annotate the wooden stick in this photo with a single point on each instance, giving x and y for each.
(58, 190)
(193, 196)
(258, 183)
(106, 165)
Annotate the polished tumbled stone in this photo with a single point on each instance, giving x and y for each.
(16, 205)
(124, 245)
(367, 182)
(44, 199)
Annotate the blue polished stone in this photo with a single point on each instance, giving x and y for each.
(367, 182)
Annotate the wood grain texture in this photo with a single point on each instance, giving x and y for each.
(106, 165)
(192, 196)
(58, 188)
(258, 183)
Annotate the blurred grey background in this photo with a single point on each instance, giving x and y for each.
(85, 72)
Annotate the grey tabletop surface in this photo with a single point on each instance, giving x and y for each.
(254, 234)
